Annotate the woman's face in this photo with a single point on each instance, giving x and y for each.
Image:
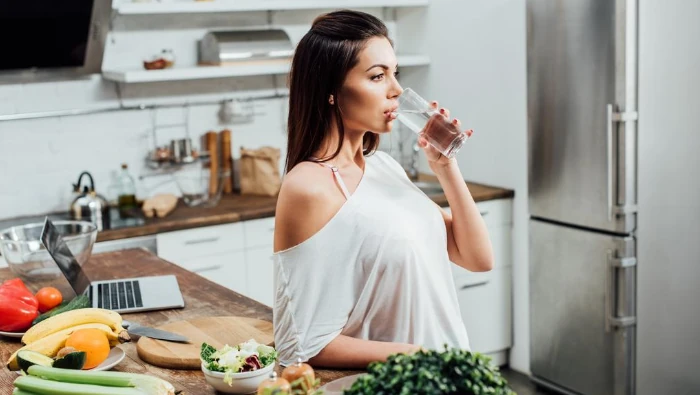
(370, 91)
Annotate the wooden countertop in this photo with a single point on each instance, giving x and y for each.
(202, 299)
(234, 208)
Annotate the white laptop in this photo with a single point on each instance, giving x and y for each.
(128, 295)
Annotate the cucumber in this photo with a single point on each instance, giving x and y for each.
(27, 358)
(79, 302)
(74, 360)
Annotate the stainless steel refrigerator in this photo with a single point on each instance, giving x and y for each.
(613, 263)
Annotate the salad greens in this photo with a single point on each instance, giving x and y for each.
(244, 357)
(450, 372)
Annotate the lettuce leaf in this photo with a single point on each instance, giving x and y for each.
(207, 354)
(267, 355)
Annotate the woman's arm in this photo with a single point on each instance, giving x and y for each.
(468, 243)
(351, 353)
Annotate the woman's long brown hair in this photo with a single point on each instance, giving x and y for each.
(322, 59)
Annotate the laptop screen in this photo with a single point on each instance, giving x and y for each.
(61, 254)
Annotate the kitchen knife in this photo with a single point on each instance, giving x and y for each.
(136, 329)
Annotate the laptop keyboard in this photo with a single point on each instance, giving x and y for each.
(119, 295)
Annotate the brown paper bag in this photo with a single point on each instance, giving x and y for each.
(259, 171)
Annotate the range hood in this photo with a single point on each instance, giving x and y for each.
(44, 39)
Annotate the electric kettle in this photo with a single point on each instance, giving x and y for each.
(89, 205)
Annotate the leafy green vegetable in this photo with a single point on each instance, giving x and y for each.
(449, 372)
(266, 354)
(233, 359)
(207, 354)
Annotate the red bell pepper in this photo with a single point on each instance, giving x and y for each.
(16, 289)
(15, 314)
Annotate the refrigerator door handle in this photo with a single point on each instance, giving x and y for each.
(615, 264)
(613, 116)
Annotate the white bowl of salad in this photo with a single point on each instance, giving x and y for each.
(238, 369)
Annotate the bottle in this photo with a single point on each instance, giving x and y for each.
(126, 200)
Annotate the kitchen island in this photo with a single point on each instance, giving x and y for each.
(203, 298)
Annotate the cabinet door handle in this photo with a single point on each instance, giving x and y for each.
(200, 241)
(207, 269)
(479, 284)
(484, 213)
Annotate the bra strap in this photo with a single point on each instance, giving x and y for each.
(338, 179)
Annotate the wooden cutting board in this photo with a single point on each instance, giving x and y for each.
(216, 331)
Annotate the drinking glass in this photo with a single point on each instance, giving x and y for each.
(417, 114)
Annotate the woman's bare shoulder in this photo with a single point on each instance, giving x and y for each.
(304, 181)
(306, 202)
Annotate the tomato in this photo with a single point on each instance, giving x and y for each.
(48, 297)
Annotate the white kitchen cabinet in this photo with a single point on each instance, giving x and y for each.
(227, 269)
(259, 232)
(485, 299)
(214, 252)
(259, 235)
(182, 245)
(237, 256)
(3, 263)
(260, 274)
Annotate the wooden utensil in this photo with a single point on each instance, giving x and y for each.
(214, 162)
(226, 160)
(216, 331)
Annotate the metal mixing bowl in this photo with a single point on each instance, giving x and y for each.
(27, 257)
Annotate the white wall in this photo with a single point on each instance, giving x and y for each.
(478, 71)
(40, 158)
(668, 321)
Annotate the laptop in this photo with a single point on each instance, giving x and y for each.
(129, 295)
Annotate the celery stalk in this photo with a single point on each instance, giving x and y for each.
(18, 391)
(146, 384)
(50, 387)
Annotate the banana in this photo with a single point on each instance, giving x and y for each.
(72, 318)
(51, 344)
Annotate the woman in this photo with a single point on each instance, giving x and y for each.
(362, 256)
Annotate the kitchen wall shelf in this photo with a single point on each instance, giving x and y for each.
(188, 7)
(267, 67)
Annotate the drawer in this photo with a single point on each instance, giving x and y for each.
(149, 242)
(210, 240)
(485, 301)
(502, 244)
(227, 269)
(496, 212)
(259, 232)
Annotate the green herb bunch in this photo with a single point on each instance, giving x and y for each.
(452, 371)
